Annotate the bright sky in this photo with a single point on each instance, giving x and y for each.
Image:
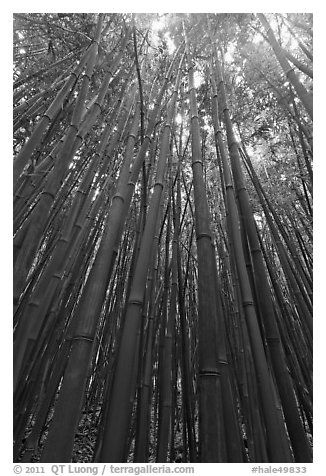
(198, 79)
(157, 26)
(229, 53)
(287, 38)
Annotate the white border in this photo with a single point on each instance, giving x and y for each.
(318, 9)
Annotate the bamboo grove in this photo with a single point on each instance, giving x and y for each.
(163, 237)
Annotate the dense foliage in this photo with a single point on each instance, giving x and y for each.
(162, 237)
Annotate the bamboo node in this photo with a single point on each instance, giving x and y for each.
(233, 142)
(136, 301)
(247, 303)
(272, 340)
(209, 373)
(288, 71)
(74, 126)
(223, 362)
(63, 239)
(256, 250)
(45, 115)
(87, 76)
(46, 192)
(119, 195)
(134, 136)
(203, 235)
(81, 337)
(158, 182)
